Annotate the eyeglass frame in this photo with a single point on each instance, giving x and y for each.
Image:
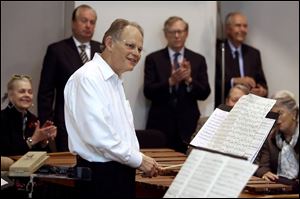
(132, 46)
(173, 32)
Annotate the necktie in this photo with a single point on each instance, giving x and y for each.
(83, 54)
(236, 60)
(176, 63)
(176, 66)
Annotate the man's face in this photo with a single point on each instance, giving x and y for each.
(237, 29)
(176, 35)
(84, 25)
(127, 51)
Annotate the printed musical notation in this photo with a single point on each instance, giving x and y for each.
(210, 175)
(241, 131)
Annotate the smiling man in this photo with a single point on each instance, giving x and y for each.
(243, 63)
(175, 78)
(99, 118)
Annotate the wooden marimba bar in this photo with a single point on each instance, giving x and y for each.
(156, 187)
(260, 188)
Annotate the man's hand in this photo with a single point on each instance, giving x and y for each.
(247, 81)
(183, 73)
(259, 90)
(149, 167)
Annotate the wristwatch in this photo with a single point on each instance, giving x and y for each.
(29, 142)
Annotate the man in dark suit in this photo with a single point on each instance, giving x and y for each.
(61, 60)
(242, 62)
(175, 78)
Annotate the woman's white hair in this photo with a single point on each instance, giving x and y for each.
(283, 94)
(286, 98)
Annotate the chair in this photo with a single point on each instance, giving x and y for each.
(151, 138)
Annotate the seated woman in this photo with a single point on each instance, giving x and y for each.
(20, 129)
(279, 156)
(235, 93)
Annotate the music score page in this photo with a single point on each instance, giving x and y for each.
(241, 132)
(210, 175)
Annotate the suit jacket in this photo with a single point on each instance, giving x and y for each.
(60, 62)
(175, 114)
(252, 68)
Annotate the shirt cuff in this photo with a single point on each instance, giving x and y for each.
(136, 159)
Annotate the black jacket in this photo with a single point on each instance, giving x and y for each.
(174, 119)
(13, 138)
(60, 62)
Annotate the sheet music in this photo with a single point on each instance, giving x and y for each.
(241, 131)
(255, 145)
(205, 174)
(209, 129)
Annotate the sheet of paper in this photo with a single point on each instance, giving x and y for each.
(241, 131)
(209, 129)
(205, 174)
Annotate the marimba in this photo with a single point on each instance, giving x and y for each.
(156, 187)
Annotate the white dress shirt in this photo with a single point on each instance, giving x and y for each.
(98, 116)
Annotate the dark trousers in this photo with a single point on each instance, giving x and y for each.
(109, 179)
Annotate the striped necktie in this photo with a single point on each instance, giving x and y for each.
(83, 54)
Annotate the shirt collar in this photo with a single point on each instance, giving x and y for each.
(106, 70)
(172, 52)
(233, 48)
(78, 43)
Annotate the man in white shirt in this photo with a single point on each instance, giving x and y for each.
(99, 120)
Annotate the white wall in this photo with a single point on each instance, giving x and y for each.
(26, 30)
(28, 27)
(151, 15)
(274, 30)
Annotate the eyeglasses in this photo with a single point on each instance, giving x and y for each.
(132, 46)
(16, 76)
(173, 32)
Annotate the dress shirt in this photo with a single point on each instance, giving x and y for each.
(172, 54)
(98, 116)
